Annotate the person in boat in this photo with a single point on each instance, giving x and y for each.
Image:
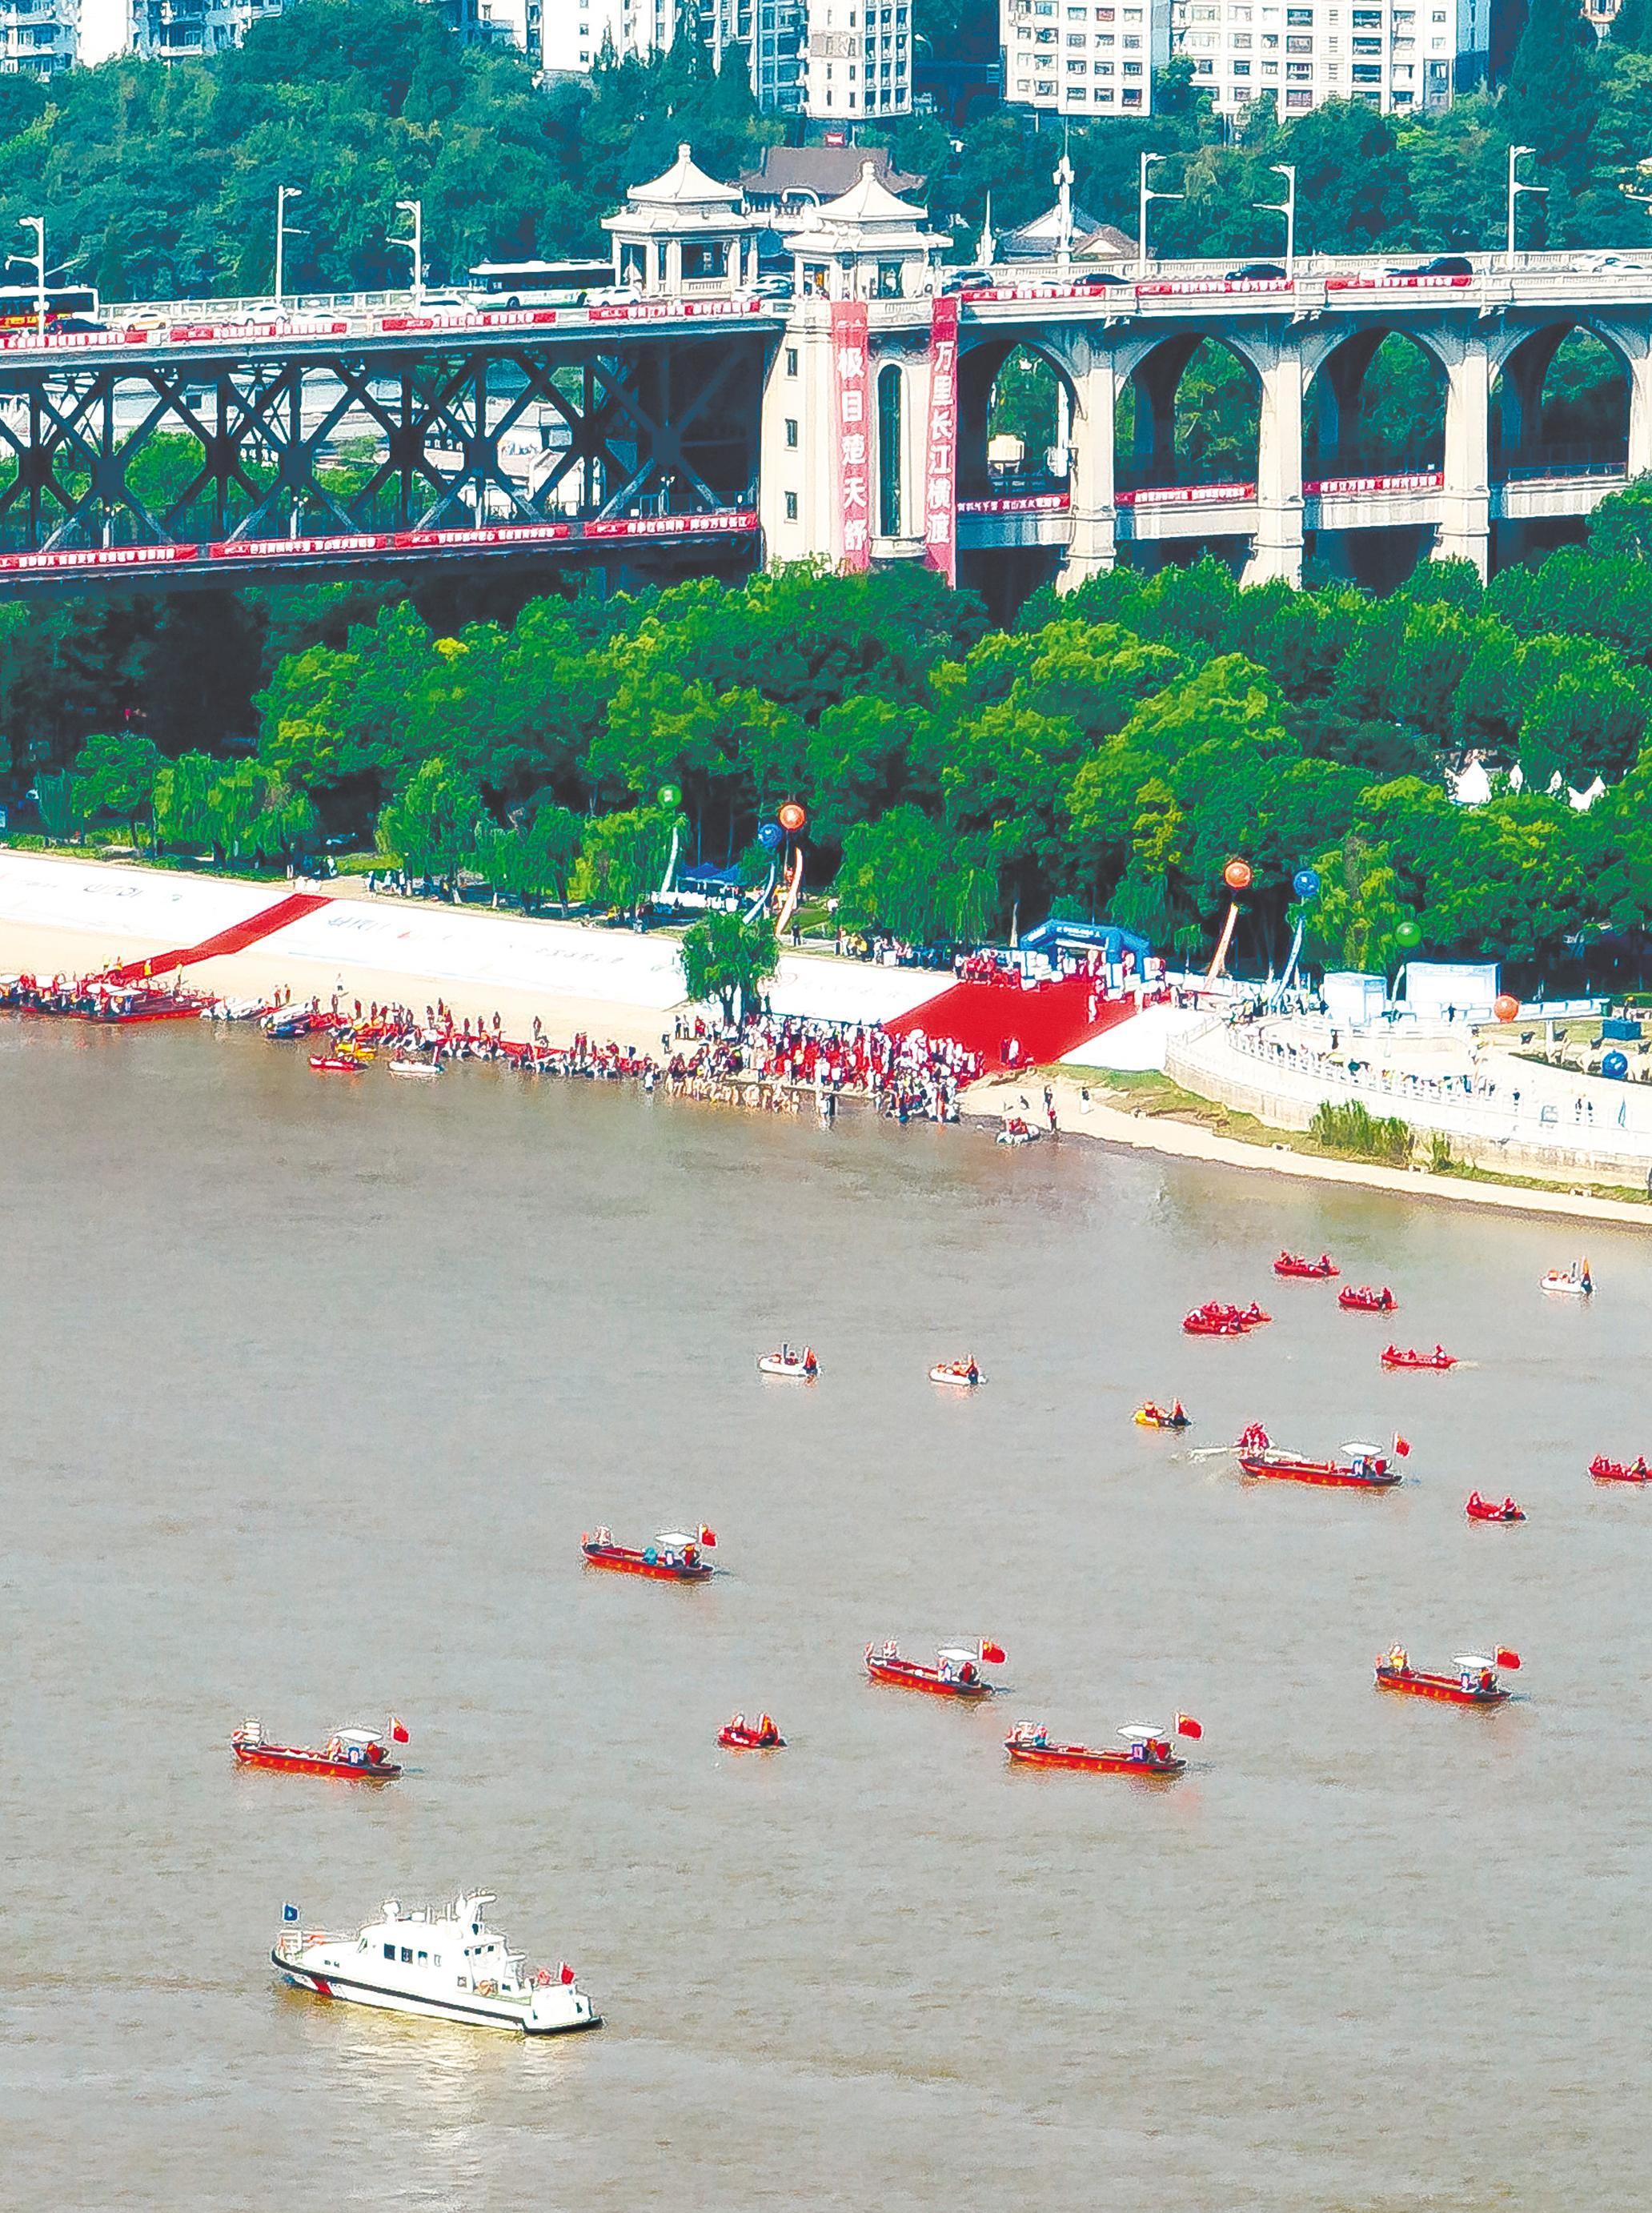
(1399, 1661)
(1178, 1414)
(1640, 1468)
(971, 1370)
(1510, 1511)
(766, 1731)
(811, 1365)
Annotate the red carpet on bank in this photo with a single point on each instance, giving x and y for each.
(1044, 1022)
(235, 939)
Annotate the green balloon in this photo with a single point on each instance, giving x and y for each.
(669, 794)
(1408, 933)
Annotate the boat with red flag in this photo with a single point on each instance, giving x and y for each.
(1147, 1751)
(674, 1557)
(760, 1736)
(1473, 1683)
(956, 1673)
(1392, 1356)
(1297, 1263)
(1367, 1467)
(1620, 1470)
(1487, 1509)
(358, 1755)
(1216, 1319)
(1366, 1298)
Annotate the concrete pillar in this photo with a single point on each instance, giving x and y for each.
(1465, 530)
(1090, 483)
(1156, 380)
(1519, 397)
(1277, 550)
(1640, 409)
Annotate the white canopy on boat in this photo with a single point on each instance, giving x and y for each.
(1142, 1732)
(1472, 1659)
(959, 1652)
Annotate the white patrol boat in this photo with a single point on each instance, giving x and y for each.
(441, 1961)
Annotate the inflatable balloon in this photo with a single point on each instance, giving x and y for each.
(770, 834)
(1408, 933)
(669, 794)
(1237, 875)
(1616, 1065)
(1306, 883)
(792, 817)
(1505, 1006)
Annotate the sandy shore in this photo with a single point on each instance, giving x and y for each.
(1159, 1133)
(263, 971)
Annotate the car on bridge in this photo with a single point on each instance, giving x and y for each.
(1443, 264)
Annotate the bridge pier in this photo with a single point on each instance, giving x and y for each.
(1276, 548)
(1465, 530)
(1092, 483)
(1636, 347)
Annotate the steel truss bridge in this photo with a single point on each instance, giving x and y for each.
(209, 449)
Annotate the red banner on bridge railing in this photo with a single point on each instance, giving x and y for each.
(97, 557)
(852, 375)
(1349, 487)
(1186, 494)
(940, 441)
(1023, 502)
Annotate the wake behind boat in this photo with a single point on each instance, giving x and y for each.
(357, 1755)
(441, 1962)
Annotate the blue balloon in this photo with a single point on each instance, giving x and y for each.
(770, 834)
(1305, 883)
(1616, 1064)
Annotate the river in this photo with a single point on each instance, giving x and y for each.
(314, 1387)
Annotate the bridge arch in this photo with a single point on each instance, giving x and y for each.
(1376, 405)
(1560, 403)
(1014, 389)
(1189, 412)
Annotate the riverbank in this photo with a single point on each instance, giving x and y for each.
(1084, 1109)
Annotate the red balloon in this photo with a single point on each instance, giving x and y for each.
(1237, 875)
(1505, 1006)
(792, 817)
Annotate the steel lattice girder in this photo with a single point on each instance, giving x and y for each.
(670, 421)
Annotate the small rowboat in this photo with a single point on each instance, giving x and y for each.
(425, 1068)
(1486, 1509)
(1617, 1471)
(963, 1374)
(1474, 1683)
(1154, 1416)
(797, 1366)
(1213, 1318)
(1577, 1283)
(1439, 1358)
(673, 1558)
(956, 1674)
(355, 1755)
(1147, 1750)
(741, 1735)
(1366, 1298)
(1294, 1263)
(335, 1064)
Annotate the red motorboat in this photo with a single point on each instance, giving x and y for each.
(1367, 1467)
(1367, 1299)
(1215, 1319)
(760, 1736)
(1295, 1263)
(1617, 1471)
(673, 1558)
(1147, 1750)
(1474, 1683)
(1439, 1358)
(336, 1064)
(956, 1674)
(357, 1755)
(1487, 1509)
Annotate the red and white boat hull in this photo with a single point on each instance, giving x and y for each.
(298, 1759)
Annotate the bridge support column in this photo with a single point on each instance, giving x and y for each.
(1093, 546)
(1276, 549)
(1640, 410)
(1465, 530)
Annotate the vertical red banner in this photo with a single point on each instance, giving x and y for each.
(940, 441)
(852, 377)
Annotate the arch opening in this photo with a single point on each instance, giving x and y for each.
(1014, 422)
(1560, 407)
(1189, 414)
(891, 450)
(1376, 407)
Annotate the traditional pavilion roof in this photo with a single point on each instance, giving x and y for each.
(869, 218)
(683, 200)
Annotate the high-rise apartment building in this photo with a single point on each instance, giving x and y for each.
(859, 60)
(1074, 59)
(37, 37)
(188, 30)
(1397, 55)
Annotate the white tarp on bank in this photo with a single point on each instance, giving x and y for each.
(129, 909)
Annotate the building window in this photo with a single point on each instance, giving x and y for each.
(889, 454)
(791, 432)
(407, 1955)
(791, 507)
(389, 1951)
(791, 361)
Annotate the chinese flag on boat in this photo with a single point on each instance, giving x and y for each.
(398, 1730)
(1187, 1726)
(708, 1537)
(1507, 1659)
(565, 1973)
(993, 1655)
(1402, 1446)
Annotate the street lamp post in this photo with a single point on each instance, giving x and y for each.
(1286, 207)
(415, 245)
(1515, 188)
(1147, 195)
(284, 229)
(37, 224)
